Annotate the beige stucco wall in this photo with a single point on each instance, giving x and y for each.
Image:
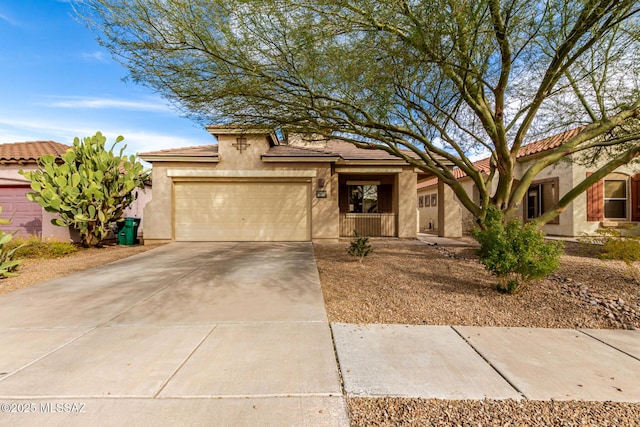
(407, 205)
(325, 218)
(324, 211)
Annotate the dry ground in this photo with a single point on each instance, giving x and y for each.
(34, 271)
(412, 283)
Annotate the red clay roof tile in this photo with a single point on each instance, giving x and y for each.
(30, 151)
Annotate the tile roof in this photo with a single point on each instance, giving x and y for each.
(548, 143)
(197, 151)
(482, 165)
(532, 148)
(334, 148)
(30, 151)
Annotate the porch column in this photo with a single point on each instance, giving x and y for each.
(407, 204)
(449, 212)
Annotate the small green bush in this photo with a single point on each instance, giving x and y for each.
(515, 253)
(359, 246)
(8, 265)
(34, 247)
(619, 244)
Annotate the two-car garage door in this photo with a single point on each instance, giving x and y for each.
(241, 211)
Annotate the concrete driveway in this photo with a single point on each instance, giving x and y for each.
(188, 333)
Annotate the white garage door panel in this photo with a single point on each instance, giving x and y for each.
(243, 211)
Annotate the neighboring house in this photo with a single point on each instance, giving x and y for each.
(612, 202)
(29, 217)
(253, 187)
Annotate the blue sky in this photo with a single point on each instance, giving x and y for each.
(56, 83)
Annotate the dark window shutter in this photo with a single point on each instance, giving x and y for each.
(635, 197)
(595, 201)
(385, 200)
(343, 198)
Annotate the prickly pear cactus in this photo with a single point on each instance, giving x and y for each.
(89, 189)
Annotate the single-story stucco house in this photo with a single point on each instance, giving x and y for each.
(612, 202)
(251, 186)
(29, 218)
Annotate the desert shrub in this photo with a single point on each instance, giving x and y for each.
(359, 246)
(8, 265)
(619, 244)
(34, 247)
(515, 252)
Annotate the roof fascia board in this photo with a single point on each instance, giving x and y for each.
(294, 159)
(209, 173)
(183, 159)
(368, 170)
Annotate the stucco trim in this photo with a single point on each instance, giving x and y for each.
(375, 162)
(207, 173)
(182, 159)
(299, 159)
(368, 170)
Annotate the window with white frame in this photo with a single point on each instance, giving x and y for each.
(615, 198)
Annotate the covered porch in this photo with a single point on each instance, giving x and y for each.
(368, 204)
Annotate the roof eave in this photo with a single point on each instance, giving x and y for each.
(372, 162)
(301, 159)
(181, 159)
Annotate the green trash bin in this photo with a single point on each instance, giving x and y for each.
(129, 232)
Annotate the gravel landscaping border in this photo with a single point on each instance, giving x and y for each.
(409, 282)
(503, 413)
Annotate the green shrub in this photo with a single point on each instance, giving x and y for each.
(359, 246)
(34, 247)
(619, 244)
(8, 265)
(515, 253)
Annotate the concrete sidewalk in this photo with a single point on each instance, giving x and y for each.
(186, 334)
(463, 362)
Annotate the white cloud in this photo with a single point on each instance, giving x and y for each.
(96, 56)
(106, 103)
(137, 140)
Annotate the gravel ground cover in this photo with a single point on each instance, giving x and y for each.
(34, 271)
(485, 413)
(412, 283)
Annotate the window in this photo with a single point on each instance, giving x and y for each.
(420, 202)
(615, 199)
(541, 196)
(434, 199)
(363, 198)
